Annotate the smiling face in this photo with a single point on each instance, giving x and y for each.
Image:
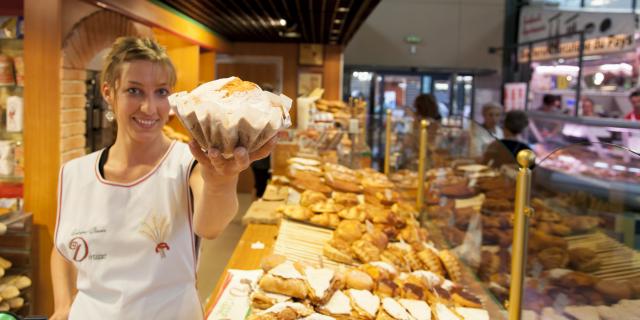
(140, 100)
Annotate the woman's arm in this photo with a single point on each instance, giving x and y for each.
(63, 276)
(214, 182)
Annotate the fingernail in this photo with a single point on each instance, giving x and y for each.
(214, 153)
(242, 151)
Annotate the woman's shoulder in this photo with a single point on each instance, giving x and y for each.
(88, 159)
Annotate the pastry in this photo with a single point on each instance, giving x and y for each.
(431, 260)
(349, 230)
(414, 262)
(338, 306)
(410, 234)
(582, 224)
(336, 255)
(321, 284)
(392, 310)
(412, 290)
(310, 197)
(8, 291)
(268, 263)
(356, 279)
(264, 300)
(577, 279)
(377, 238)
(380, 215)
(325, 207)
(353, 213)
(553, 257)
(334, 220)
(365, 251)
(296, 212)
(466, 299)
(346, 199)
(342, 185)
(473, 313)
(284, 310)
(16, 303)
(503, 193)
(583, 259)
(322, 219)
(387, 288)
(311, 184)
(364, 303)
(20, 282)
(548, 216)
(453, 235)
(318, 316)
(452, 265)
(4, 263)
(457, 191)
(284, 279)
(539, 240)
(442, 312)
(388, 197)
(497, 205)
(614, 290)
(418, 309)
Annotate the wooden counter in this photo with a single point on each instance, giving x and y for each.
(244, 257)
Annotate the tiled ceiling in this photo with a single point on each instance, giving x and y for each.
(308, 21)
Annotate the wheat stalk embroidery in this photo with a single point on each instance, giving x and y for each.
(156, 227)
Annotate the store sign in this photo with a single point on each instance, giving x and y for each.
(617, 43)
(606, 32)
(537, 22)
(515, 96)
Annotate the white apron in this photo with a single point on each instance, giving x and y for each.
(132, 244)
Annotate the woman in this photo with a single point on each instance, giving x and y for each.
(506, 150)
(490, 131)
(124, 242)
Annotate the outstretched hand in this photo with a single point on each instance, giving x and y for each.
(214, 165)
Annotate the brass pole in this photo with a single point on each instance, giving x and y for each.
(387, 144)
(422, 163)
(525, 158)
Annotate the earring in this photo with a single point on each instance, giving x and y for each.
(109, 115)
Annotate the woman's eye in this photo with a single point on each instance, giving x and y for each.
(135, 91)
(163, 92)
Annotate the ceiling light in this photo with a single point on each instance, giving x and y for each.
(598, 78)
(343, 9)
(338, 21)
(283, 22)
(101, 4)
(290, 34)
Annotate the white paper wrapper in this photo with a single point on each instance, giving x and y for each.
(228, 113)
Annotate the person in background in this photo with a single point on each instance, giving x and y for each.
(588, 108)
(551, 104)
(261, 168)
(425, 107)
(634, 98)
(491, 115)
(505, 150)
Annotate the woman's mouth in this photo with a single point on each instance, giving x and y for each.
(145, 123)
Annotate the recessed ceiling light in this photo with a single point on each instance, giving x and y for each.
(343, 9)
(337, 21)
(290, 34)
(283, 22)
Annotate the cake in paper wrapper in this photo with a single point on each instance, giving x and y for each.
(229, 113)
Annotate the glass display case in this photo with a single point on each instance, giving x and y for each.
(582, 237)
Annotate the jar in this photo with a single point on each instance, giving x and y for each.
(6, 71)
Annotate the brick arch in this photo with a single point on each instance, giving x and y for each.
(87, 38)
(94, 33)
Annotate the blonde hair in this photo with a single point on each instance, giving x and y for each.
(127, 49)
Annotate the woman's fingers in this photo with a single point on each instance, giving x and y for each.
(197, 153)
(265, 150)
(241, 157)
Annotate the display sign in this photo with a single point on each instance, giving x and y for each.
(606, 32)
(537, 22)
(515, 96)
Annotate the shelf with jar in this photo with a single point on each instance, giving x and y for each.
(11, 105)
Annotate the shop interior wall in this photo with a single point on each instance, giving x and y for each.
(42, 61)
(454, 33)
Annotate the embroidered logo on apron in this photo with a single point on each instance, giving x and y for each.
(156, 228)
(80, 248)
